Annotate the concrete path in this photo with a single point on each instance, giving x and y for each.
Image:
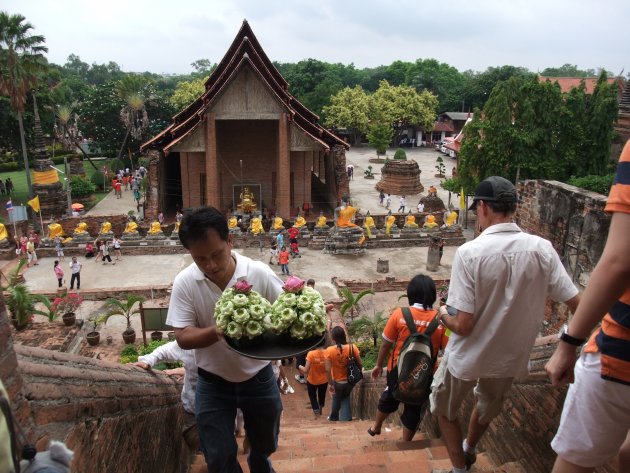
(110, 205)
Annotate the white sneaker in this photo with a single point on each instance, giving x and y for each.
(300, 379)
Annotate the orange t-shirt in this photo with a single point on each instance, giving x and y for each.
(317, 370)
(396, 331)
(283, 257)
(339, 360)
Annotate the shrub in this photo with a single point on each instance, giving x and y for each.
(81, 187)
(98, 179)
(599, 184)
(152, 346)
(116, 164)
(9, 167)
(400, 154)
(369, 353)
(129, 354)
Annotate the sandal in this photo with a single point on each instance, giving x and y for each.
(372, 433)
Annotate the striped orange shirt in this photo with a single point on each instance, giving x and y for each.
(612, 339)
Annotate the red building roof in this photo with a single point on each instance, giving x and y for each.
(568, 83)
(244, 50)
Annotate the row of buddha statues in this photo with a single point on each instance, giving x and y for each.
(256, 226)
(80, 232)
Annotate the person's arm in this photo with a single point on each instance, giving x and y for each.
(462, 323)
(305, 369)
(608, 282)
(162, 353)
(331, 386)
(386, 346)
(196, 337)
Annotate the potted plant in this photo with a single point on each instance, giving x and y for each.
(94, 337)
(21, 305)
(67, 304)
(126, 309)
(157, 335)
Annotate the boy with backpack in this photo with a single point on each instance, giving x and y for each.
(412, 362)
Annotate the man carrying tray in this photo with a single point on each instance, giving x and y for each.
(227, 380)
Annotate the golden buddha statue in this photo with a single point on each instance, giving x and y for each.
(232, 222)
(390, 220)
(321, 221)
(345, 215)
(410, 221)
(299, 222)
(132, 227)
(278, 223)
(155, 229)
(176, 229)
(451, 218)
(256, 227)
(248, 202)
(106, 228)
(81, 228)
(54, 230)
(369, 224)
(4, 235)
(430, 222)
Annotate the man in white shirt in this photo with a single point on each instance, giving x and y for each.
(75, 268)
(499, 283)
(401, 207)
(227, 380)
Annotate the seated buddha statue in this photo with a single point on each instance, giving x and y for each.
(299, 222)
(430, 222)
(256, 227)
(106, 228)
(81, 228)
(410, 221)
(54, 230)
(232, 222)
(390, 224)
(451, 218)
(369, 224)
(131, 228)
(278, 223)
(345, 215)
(248, 202)
(155, 229)
(321, 221)
(4, 235)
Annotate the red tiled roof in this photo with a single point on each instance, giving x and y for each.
(568, 83)
(443, 126)
(244, 50)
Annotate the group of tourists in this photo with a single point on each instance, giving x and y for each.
(6, 186)
(130, 180)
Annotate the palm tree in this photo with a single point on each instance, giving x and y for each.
(351, 301)
(369, 327)
(126, 309)
(132, 89)
(67, 130)
(21, 58)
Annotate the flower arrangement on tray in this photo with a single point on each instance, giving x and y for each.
(240, 311)
(299, 311)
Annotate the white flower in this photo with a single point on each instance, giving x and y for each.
(240, 300)
(288, 299)
(304, 302)
(256, 311)
(298, 330)
(234, 330)
(254, 329)
(241, 315)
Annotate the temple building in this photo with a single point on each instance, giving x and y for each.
(246, 135)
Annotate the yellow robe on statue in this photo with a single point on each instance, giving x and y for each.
(232, 222)
(451, 218)
(106, 227)
(256, 227)
(155, 228)
(410, 222)
(321, 222)
(344, 219)
(430, 222)
(132, 227)
(3, 232)
(81, 228)
(389, 222)
(299, 222)
(277, 223)
(54, 230)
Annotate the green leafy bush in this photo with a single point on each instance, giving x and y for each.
(116, 164)
(81, 187)
(369, 353)
(129, 354)
(152, 346)
(400, 154)
(98, 179)
(9, 167)
(599, 184)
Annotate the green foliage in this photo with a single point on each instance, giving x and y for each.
(369, 328)
(126, 309)
(349, 109)
(379, 136)
(81, 187)
(9, 167)
(599, 184)
(152, 346)
(98, 179)
(567, 70)
(129, 354)
(187, 92)
(368, 172)
(116, 164)
(441, 168)
(400, 154)
(351, 300)
(369, 354)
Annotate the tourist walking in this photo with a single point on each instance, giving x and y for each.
(273, 254)
(75, 268)
(280, 238)
(58, 272)
(104, 250)
(59, 249)
(401, 207)
(388, 202)
(1, 187)
(116, 245)
(283, 260)
(8, 184)
(421, 294)
(493, 330)
(89, 250)
(227, 380)
(99, 253)
(30, 252)
(381, 198)
(337, 358)
(314, 370)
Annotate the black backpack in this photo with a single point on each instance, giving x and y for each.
(415, 363)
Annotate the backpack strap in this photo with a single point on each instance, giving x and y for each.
(432, 326)
(411, 325)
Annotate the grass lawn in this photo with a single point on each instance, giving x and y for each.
(19, 195)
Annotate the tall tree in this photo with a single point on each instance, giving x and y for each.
(21, 58)
(349, 109)
(133, 89)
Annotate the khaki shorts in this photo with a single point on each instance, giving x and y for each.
(448, 393)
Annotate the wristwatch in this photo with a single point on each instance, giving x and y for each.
(565, 337)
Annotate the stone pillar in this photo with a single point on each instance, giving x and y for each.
(433, 257)
(283, 206)
(151, 200)
(213, 193)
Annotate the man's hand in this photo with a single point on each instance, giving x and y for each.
(377, 371)
(560, 365)
(143, 365)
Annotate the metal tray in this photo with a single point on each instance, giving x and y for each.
(274, 347)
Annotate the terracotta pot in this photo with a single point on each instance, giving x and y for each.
(69, 319)
(129, 337)
(109, 339)
(156, 335)
(93, 338)
(171, 336)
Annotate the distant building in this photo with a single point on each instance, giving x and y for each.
(568, 83)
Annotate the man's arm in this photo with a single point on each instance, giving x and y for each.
(462, 323)
(606, 285)
(386, 346)
(196, 337)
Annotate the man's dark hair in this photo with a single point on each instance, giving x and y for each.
(421, 290)
(310, 282)
(196, 224)
(503, 208)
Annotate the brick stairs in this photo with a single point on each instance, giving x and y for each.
(310, 444)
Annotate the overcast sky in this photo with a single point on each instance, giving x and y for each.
(166, 36)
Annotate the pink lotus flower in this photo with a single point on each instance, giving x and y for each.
(243, 287)
(293, 284)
